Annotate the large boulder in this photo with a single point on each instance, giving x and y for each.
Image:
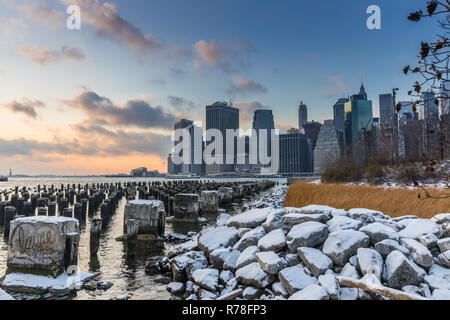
(338, 223)
(221, 237)
(274, 220)
(370, 261)
(269, 261)
(387, 246)
(400, 272)
(295, 279)
(247, 256)
(341, 245)
(250, 238)
(419, 253)
(315, 260)
(218, 256)
(253, 275)
(292, 219)
(330, 283)
(207, 278)
(420, 227)
(249, 219)
(311, 292)
(308, 234)
(273, 241)
(378, 232)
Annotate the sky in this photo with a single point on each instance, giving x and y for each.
(103, 99)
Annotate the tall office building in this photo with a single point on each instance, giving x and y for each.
(312, 130)
(386, 110)
(263, 120)
(172, 167)
(302, 115)
(196, 147)
(222, 116)
(295, 154)
(358, 127)
(339, 114)
(328, 149)
(432, 125)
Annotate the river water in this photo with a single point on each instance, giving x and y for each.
(127, 273)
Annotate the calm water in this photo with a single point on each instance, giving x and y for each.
(127, 273)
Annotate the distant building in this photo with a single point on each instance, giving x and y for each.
(312, 130)
(339, 114)
(358, 126)
(302, 115)
(139, 172)
(432, 126)
(196, 147)
(445, 98)
(222, 116)
(328, 149)
(263, 120)
(295, 154)
(177, 168)
(386, 102)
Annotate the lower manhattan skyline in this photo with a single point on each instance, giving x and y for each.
(104, 99)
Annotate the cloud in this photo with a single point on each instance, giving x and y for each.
(26, 106)
(14, 28)
(45, 57)
(224, 56)
(244, 86)
(179, 102)
(247, 109)
(43, 13)
(135, 113)
(104, 18)
(337, 87)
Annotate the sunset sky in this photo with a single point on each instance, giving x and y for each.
(103, 99)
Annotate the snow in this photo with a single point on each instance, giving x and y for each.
(419, 253)
(343, 223)
(45, 283)
(279, 290)
(254, 276)
(370, 261)
(220, 237)
(247, 256)
(182, 248)
(273, 241)
(250, 238)
(315, 260)
(5, 296)
(222, 219)
(387, 246)
(441, 218)
(440, 294)
(316, 209)
(295, 279)
(420, 227)
(269, 261)
(153, 203)
(274, 220)
(231, 261)
(312, 292)
(53, 220)
(341, 245)
(400, 272)
(307, 234)
(444, 244)
(207, 278)
(330, 284)
(378, 232)
(437, 282)
(249, 219)
(292, 219)
(218, 256)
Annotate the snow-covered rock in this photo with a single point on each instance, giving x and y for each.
(316, 209)
(230, 262)
(444, 244)
(315, 260)
(221, 237)
(179, 263)
(222, 219)
(419, 253)
(420, 227)
(387, 246)
(441, 294)
(176, 288)
(250, 238)
(274, 220)
(182, 248)
(444, 258)
(225, 276)
(330, 283)
(341, 245)
(429, 240)
(275, 240)
(307, 234)
(441, 218)
(218, 256)
(292, 219)
(343, 223)
(378, 232)
(400, 272)
(350, 271)
(207, 278)
(311, 292)
(295, 279)
(279, 290)
(251, 293)
(247, 256)
(269, 261)
(370, 261)
(366, 215)
(253, 275)
(249, 219)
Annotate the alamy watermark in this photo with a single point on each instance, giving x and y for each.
(374, 20)
(73, 22)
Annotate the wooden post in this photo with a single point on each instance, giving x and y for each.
(96, 229)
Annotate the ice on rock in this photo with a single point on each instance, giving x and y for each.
(378, 232)
(307, 234)
(400, 272)
(330, 283)
(251, 293)
(231, 261)
(341, 245)
(247, 256)
(253, 275)
(218, 256)
(387, 246)
(292, 219)
(250, 238)
(207, 278)
(343, 223)
(311, 292)
(222, 220)
(279, 290)
(269, 261)
(221, 237)
(295, 279)
(370, 261)
(249, 219)
(419, 253)
(420, 227)
(274, 220)
(441, 218)
(315, 260)
(275, 240)
(444, 244)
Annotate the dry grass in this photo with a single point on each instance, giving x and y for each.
(393, 202)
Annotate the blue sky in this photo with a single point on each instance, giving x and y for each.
(256, 53)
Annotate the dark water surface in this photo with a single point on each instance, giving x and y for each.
(127, 273)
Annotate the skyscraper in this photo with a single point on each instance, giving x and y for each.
(222, 116)
(312, 130)
(386, 110)
(328, 149)
(358, 125)
(263, 120)
(295, 154)
(302, 115)
(432, 125)
(339, 114)
(172, 167)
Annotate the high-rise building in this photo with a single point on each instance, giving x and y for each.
(295, 154)
(339, 114)
(173, 168)
(328, 149)
(445, 97)
(358, 126)
(302, 115)
(263, 120)
(432, 125)
(312, 130)
(222, 116)
(386, 110)
(196, 147)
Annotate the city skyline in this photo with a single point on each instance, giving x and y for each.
(103, 99)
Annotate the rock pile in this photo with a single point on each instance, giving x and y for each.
(313, 253)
